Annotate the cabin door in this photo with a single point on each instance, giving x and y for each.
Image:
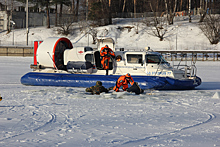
(97, 60)
(135, 63)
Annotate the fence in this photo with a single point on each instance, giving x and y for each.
(208, 55)
(16, 51)
(213, 55)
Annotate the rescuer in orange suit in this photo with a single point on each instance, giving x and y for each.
(106, 53)
(123, 80)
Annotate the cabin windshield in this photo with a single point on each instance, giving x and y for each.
(155, 59)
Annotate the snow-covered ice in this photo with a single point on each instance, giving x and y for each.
(60, 116)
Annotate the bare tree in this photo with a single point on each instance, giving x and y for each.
(123, 9)
(65, 26)
(158, 26)
(181, 5)
(137, 24)
(77, 9)
(89, 29)
(99, 12)
(203, 10)
(93, 32)
(62, 2)
(110, 12)
(46, 3)
(154, 7)
(55, 13)
(135, 9)
(211, 28)
(73, 7)
(61, 12)
(48, 16)
(189, 11)
(170, 10)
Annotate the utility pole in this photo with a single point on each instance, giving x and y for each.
(27, 20)
(176, 35)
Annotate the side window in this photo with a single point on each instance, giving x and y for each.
(88, 49)
(89, 57)
(134, 58)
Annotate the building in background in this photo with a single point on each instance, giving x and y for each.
(12, 10)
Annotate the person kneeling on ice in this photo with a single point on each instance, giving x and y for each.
(123, 80)
(97, 89)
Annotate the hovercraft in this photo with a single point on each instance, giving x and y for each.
(57, 63)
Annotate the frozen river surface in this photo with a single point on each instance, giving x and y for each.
(60, 116)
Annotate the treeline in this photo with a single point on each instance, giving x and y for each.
(120, 6)
(104, 10)
(80, 7)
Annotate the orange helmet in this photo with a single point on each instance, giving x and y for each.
(128, 76)
(106, 45)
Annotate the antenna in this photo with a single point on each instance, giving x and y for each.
(52, 61)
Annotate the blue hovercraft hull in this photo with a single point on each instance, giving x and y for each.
(87, 80)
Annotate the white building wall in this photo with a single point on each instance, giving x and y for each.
(3, 20)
